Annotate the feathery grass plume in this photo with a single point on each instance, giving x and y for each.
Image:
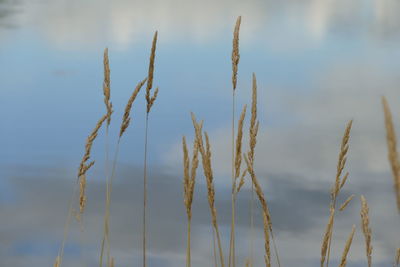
(235, 62)
(344, 147)
(343, 261)
(252, 144)
(106, 86)
(84, 167)
(339, 182)
(392, 150)
(366, 229)
(344, 205)
(189, 179)
(397, 258)
(235, 187)
(126, 118)
(205, 152)
(253, 121)
(150, 99)
(235, 52)
(327, 237)
(238, 155)
(108, 104)
(241, 182)
(249, 158)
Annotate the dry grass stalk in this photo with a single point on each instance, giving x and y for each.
(366, 229)
(205, 152)
(397, 258)
(264, 206)
(57, 262)
(344, 179)
(112, 262)
(106, 86)
(327, 237)
(126, 118)
(238, 154)
(344, 147)
(392, 150)
(235, 63)
(189, 178)
(235, 52)
(241, 182)
(343, 261)
(253, 121)
(150, 99)
(344, 205)
(84, 166)
(339, 182)
(237, 160)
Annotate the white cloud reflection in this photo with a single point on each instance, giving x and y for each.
(77, 24)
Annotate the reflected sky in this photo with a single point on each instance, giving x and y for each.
(319, 63)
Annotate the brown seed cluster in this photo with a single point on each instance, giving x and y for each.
(366, 229)
(189, 174)
(151, 99)
(235, 52)
(126, 118)
(343, 261)
(84, 166)
(106, 86)
(392, 150)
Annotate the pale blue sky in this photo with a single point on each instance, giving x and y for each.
(318, 63)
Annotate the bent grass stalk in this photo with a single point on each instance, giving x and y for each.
(205, 152)
(392, 150)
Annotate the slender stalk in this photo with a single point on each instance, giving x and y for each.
(214, 246)
(188, 260)
(145, 191)
(232, 236)
(252, 226)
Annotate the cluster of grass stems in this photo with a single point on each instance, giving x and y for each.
(202, 152)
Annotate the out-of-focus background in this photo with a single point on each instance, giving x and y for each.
(319, 63)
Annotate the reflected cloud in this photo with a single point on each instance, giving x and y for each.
(77, 24)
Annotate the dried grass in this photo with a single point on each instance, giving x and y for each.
(343, 261)
(150, 99)
(366, 229)
(327, 237)
(344, 205)
(126, 117)
(205, 152)
(106, 86)
(84, 166)
(189, 179)
(235, 52)
(392, 150)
